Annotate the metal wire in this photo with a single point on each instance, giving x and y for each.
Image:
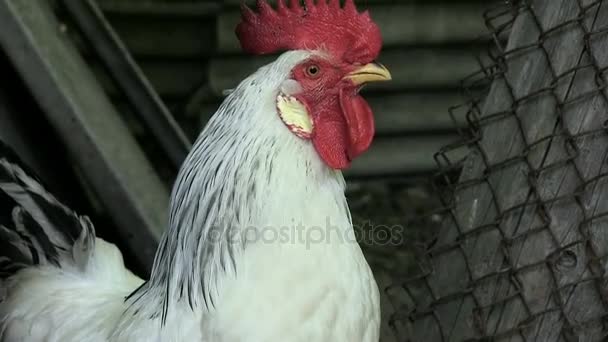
(523, 250)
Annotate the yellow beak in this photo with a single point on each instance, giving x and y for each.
(372, 72)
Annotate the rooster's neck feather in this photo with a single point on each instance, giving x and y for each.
(244, 164)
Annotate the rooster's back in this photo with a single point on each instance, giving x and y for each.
(58, 282)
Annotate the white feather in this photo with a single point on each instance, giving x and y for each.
(247, 176)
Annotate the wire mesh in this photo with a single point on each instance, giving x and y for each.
(523, 247)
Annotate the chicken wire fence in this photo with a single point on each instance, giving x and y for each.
(522, 250)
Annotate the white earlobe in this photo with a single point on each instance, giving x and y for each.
(295, 115)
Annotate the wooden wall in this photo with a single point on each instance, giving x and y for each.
(190, 53)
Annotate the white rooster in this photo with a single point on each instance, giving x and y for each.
(259, 245)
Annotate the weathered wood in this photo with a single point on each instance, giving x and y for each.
(170, 36)
(171, 80)
(398, 113)
(159, 9)
(181, 79)
(407, 112)
(410, 68)
(188, 29)
(97, 139)
(524, 304)
(400, 156)
(129, 78)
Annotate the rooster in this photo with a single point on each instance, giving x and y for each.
(259, 245)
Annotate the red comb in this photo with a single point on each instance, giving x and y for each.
(342, 31)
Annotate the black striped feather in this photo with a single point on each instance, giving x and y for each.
(35, 228)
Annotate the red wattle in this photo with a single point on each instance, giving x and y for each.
(359, 120)
(343, 130)
(330, 140)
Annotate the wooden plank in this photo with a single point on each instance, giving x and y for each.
(410, 68)
(400, 156)
(129, 78)
(170, 79)
(407, 112)
(488, 252)
(161, 10)
(97, 139)
(396, 155)
(170, 36)
(415, 111)
(401, 24)
(188, 29)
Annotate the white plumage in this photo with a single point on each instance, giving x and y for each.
(259, 247)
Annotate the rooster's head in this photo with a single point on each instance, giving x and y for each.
(321, 100)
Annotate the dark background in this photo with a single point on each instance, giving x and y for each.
(189, 53)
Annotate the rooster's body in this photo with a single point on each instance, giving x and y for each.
(260, 244)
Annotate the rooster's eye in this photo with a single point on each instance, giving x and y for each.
(312, 71)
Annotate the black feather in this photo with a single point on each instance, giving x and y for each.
(35, 228)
